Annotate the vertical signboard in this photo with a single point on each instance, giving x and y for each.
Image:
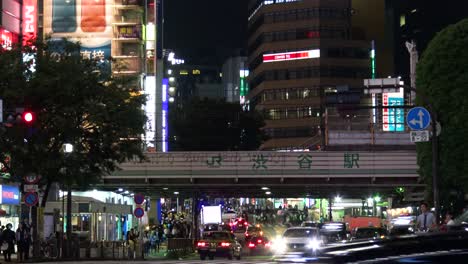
(29, 21)
(165, 108)
(86, 21)
(150, 111)
(393, 118)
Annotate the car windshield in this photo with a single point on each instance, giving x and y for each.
(217, 235)
(302, 232)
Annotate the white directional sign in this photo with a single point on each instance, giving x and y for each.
(419, 136)
(418, 118)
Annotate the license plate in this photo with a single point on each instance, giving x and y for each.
(212, 249)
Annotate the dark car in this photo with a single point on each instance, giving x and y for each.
(219, 243)
(253, 231)
(443, 247)
(401, 230)
(259, 245)
(369, 233)
(311, 224)
(334, 232)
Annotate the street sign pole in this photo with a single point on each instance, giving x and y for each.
(435, 165)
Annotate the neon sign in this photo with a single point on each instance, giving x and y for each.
(29, 21)
(296, 55)
(7, 39)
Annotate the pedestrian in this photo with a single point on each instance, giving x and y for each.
(426, 220)
(8, 236)
(22, 242)
(131, 241)
(155, 241)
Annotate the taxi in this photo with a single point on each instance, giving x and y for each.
(219, 243)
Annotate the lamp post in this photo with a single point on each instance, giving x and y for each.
(383, 86)
(68, 149)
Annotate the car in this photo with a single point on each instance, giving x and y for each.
(311, 224)
(218, 243)
(369, 233)
(401, 230)
(259, 245)
(334, 232)
(228, 215)
(253, 231)
(239, 227)
(437, 247)
(298, 239)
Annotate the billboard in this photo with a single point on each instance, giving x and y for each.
(7, 38)
(296, 55)
(211, 214)
(86, 21)
(393, 119)
(29, 21)
(10, 195)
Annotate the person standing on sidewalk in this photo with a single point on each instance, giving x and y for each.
(426, 220)
(8, 236)
(22, 241)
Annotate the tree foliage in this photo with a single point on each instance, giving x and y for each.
(442, 76)
(214, 125)
(74, 102)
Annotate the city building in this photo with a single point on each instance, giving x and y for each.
(10, 22)
(298, 52)
(418, 21)
(187, 82)
(235, 73)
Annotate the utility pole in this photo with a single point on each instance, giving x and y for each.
(414, 58)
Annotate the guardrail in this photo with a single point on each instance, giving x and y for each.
(180, 246)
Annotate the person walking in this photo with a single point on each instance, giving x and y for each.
(426, 220)
(8, 236)
(131, 241)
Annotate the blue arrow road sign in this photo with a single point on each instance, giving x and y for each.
(418, 118)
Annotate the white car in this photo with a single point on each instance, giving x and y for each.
(228, 215)
(304, 240)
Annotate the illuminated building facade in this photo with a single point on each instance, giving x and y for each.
(10, 22)
(299, 52)
(124, 30)
(235, 84)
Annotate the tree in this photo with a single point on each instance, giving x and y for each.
(74, 102)
(442, 77)
(214, 125)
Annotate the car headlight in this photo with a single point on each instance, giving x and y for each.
(279, 246)
(314, 244)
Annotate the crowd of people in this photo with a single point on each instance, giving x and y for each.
(21, 238)
(173, 225)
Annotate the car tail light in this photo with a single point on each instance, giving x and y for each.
(246, 234)
(268, 244)
(259, 241)
(201, 244)
(225, 244)
(246, 224)
(251, 245)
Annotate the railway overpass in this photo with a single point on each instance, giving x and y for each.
(286, 174)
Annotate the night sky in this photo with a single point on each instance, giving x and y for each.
(205, 31)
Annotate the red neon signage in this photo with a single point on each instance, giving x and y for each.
(7, 38)
(385, 118)
(297, 55)
(29, 21)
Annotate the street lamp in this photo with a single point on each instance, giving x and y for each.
(68, 149)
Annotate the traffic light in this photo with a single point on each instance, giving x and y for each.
(20, 116)
(28, 117)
